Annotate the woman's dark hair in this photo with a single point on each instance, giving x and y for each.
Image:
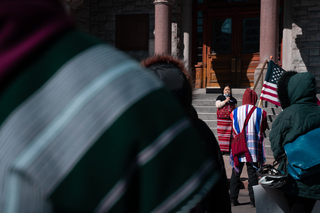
(283, 88)
(227, 85)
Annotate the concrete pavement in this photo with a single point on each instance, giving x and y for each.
(243, 198)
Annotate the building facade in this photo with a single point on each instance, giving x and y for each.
(221, 41)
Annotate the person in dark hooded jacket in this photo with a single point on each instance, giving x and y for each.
(172, 72)
(301, 114)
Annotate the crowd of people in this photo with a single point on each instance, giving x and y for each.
(300, 115)
(85, 128)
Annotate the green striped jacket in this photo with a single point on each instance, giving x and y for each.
(85, 129)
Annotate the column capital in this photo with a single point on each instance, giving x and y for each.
(169, 2)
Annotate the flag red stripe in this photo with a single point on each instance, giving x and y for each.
(271, 101)
(270, 87)
(268, 93)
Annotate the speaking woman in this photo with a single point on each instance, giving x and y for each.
(225, 104)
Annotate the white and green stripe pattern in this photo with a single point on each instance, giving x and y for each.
(80, 119)
(45, 122)
(189, 187)
(142, 158)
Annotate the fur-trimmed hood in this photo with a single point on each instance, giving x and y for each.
(172, 72)
(295, 88)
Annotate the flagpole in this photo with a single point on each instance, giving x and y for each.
(260, 76)
(264, 64)
(260, 103)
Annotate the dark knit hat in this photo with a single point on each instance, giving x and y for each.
(249, 97)
(172, 72)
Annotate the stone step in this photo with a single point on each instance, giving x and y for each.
(272, 111)
(206, 108)
(201, 94)
(211, 123)
(201, 102)
(213, 97)
(208, 116)
(271, 118)
(267, 142)
(214, 130)
(213, 109)
(268, 150)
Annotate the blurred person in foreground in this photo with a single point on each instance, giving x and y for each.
(172, 72)
(84, 128)
(301, 114)
(255, 128)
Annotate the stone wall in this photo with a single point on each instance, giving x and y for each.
(81, 15)
(98, 17)
(305, 37)
(176, 36)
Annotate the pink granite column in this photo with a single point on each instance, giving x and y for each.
(162, 37)
(269, 38)
(269, 25)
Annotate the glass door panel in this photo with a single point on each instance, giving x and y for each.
(250, 35)
(221, 36)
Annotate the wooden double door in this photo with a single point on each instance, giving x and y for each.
(232, 42)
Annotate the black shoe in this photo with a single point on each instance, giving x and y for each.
(252, 203)
(234, 201)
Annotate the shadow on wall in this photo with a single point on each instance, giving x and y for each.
(299, 51)
(306, 50)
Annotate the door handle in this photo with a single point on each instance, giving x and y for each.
(239, 65)
(233, 65)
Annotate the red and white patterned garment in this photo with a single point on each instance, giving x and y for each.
(224, 128)
(224, 125)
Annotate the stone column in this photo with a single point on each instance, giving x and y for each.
(186, 27)
(287, 36)
(162, 37)
(269, 24)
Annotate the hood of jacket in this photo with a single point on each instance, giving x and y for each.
(172, 72)
(296, 88)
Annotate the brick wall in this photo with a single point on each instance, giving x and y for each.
(306, 37)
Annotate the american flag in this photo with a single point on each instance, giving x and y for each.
(269, 88)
